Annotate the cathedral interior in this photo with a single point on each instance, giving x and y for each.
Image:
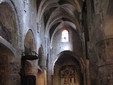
(56, 42)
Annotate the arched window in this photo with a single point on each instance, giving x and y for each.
(65, 36)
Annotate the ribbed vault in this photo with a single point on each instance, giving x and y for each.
(59, 15)
(55, 11)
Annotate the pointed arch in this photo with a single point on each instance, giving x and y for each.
(29, 42)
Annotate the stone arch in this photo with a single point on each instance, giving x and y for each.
(78, 58)
(67, 59)
(54, 6)
(8, 67)
(61, 12)
(9, 23)
(74, 37)
(44, 5)
(59, 18)
(29, 42)
(63, 24)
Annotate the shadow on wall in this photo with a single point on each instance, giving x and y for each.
(7, 66)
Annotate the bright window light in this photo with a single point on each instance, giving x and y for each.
(65, 36)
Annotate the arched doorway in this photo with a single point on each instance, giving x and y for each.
(67, 71)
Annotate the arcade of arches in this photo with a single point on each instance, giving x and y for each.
(56, 42)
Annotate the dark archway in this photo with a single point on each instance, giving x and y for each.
(67, 70)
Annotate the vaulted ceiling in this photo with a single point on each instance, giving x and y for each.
(59, 12)
(56, 15)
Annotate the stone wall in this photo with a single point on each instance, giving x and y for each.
(16, 18)
(99, 17)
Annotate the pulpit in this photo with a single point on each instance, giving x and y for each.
(27, 77)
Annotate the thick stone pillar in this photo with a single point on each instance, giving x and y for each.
(105, 61)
